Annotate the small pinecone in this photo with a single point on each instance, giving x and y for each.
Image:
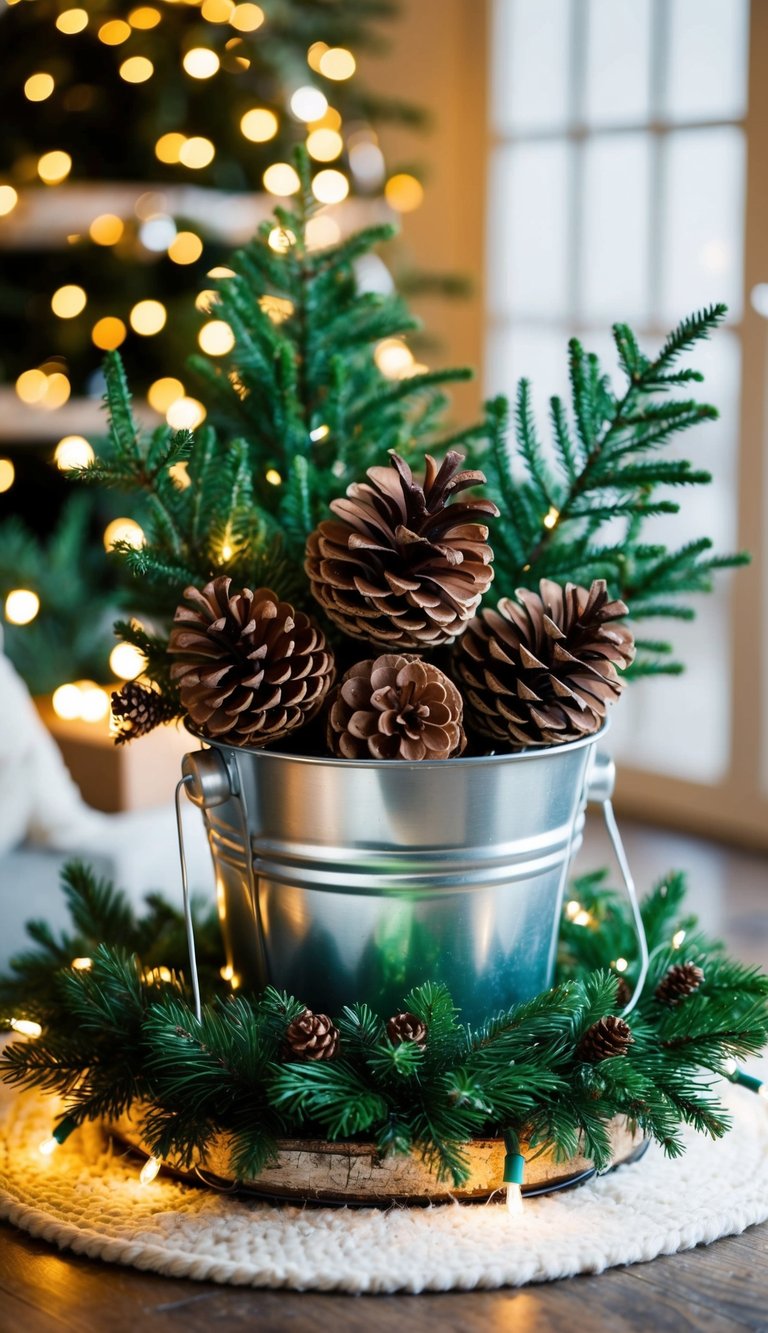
(138, 709)
(250, 668)
(679, 982)
(311, 1037)
(406, 1027)
(623, 993)
(609, 1037)
(400, 564)
(542, 670)
(395, 707)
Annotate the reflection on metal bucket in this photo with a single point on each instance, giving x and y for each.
(348, 881)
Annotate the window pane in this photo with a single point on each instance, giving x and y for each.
(531, 60)
(706, 78)
(703, 221)
(614, 246)
(527, 219)
(618, 61)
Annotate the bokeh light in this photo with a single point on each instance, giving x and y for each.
(126, 661)
(106, 229)
(330, 186)
(114, 32)
(309, 103)
(109, 333)
(259, 124)
(163, 392)
(123, 530)
(7, 475)
(72, 451)
(281, 179)
(196, 152)
(69, 301)
(216, 338)
(136, 69)
(336, 63)
(403, 192)
(72, 21)
(8, 200)
(201, 62)
(168, 147)
(247, 17)
(54, 167)
(38, 87)
(185, 414)
(324, 144)
(21, 606)
(186, 248)
(148, 317)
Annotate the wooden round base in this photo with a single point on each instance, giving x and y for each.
(313, 1170)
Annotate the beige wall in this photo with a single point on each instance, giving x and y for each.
(437, 59)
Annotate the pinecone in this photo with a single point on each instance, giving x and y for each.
(609, 1037)
(251, 668)
(406, 1027)
(311, 1037)
(542, 670)
(623, 993)
(400, 564)
(678, 983)
(138, 709)
(395, 707)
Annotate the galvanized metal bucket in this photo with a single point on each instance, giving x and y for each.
(343, 881)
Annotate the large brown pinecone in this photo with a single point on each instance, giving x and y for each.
(249, 667)
(542, 670)
(678, 983)
(395, 707)
(607, 1038)
(406, 1027)
(311, 1037)
(399, 564)
(138, 709)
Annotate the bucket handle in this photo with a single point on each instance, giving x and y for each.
(600, 787)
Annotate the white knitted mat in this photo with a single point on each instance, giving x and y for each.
(87, 1198)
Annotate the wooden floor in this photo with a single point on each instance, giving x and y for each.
(721, 1288)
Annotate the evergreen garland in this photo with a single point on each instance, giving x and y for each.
(123, 1031)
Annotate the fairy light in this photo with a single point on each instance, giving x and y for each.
(94, 701)
(106, 229)
(66, 702)
(154, 976)
(123, 530)
(179, 473)
(309, 103)
(404, 192)
(114, 32)
(205, 300)
(31, 386)
(678, 938)
(82, 964)
(315, 54)
(149, 1170)
(572, 909)
(582, 918)
(281, 179)
(201, 62)
(278, 308)
(186, 248)
(226, 973)
(109, 333)
(38, 87)
(281, 239)
(319, 433)
(26, 1027)
(324, 144)
(136, 69)
(336, 63)
(216, 338)
(72, 451)
(126, 661)
(57, 391)
(185, 414)
(168, 147)
(148, 317)
(514, 1171)
(220, 271)
(145, 17)
(551, 517)
(247, 17)
(54, 167)
(163, 392)
(157, 232)
(621, 965)
(72, 21)
(394, 358)
(744, 1080)
(259, 124)
(197, 152)
(7, 475)
(330, 186)
(68, 302)
(21, 606)
(217, 11)
(273, 477)
(8, 200)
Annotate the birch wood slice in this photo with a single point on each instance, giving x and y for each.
(314, 1170)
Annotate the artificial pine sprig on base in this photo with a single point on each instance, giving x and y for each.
(556, 1069)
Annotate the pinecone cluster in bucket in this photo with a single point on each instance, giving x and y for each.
(331, 566)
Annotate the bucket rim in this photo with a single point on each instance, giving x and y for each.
(398, 765)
